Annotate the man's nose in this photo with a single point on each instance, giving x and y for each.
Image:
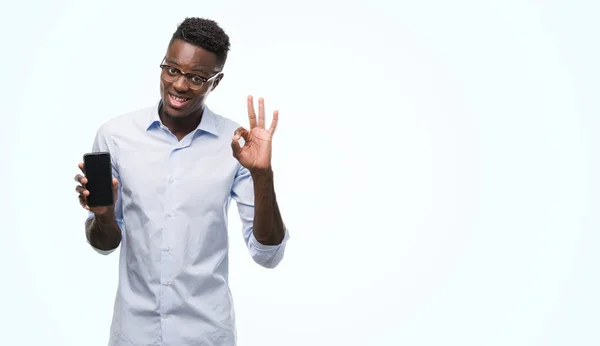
(181, 84)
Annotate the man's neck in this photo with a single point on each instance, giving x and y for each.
(181, 126)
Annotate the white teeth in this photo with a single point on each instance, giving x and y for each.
(179, 99)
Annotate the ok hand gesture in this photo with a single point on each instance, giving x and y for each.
(255, 155)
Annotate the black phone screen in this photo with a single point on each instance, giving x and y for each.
(98, 171)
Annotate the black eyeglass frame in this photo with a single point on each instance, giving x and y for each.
(174, 76)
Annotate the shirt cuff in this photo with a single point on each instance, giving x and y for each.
(102, 252)
(267, 248)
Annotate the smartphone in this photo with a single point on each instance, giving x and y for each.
(97, 168)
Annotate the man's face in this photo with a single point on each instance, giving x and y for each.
(183, 95)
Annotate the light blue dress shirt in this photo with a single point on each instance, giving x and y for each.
(172, 208)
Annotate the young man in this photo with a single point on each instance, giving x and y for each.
(176, 166)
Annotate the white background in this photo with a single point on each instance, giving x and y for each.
(436, 163)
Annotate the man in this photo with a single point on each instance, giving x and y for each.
(174, 177)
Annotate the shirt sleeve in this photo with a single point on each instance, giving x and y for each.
(268, 256)
(102, 143)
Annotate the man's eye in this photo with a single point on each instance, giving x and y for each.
(197, 80)
(172, 70)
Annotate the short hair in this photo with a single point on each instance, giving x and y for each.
(206, 34)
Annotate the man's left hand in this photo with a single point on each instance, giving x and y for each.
(255, 155)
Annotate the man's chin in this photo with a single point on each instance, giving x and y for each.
(175, 112)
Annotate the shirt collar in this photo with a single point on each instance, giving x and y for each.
(207, 124)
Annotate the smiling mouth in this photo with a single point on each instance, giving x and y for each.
(177, 101)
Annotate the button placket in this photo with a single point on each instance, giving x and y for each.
(167, 236)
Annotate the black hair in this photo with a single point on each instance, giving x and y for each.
(206, 34)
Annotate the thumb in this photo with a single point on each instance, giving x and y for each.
(115, 183)
(235, 146)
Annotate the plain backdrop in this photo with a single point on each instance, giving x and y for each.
(436, 163)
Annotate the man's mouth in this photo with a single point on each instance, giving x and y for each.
(177, 101)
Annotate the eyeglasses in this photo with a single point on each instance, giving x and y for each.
(195, 82)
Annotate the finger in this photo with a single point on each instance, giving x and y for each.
(80, 165)
(82, 191)
(235, 146)
(274, 122)
(81, 179)
(83, 202)
(251, 112)
(261, 113)
(115, 183)
(242, 133)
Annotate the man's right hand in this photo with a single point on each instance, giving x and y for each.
(83, 193)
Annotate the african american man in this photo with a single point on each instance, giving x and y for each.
(176, 167)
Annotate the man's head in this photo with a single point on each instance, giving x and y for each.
(192, 66)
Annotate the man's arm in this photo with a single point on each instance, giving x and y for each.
(264, 232)
(104, 224)
(268, 225)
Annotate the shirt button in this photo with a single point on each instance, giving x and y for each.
(164, 315)
(171, 180)
(170, 214)
(168, 283)
(167, 248)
